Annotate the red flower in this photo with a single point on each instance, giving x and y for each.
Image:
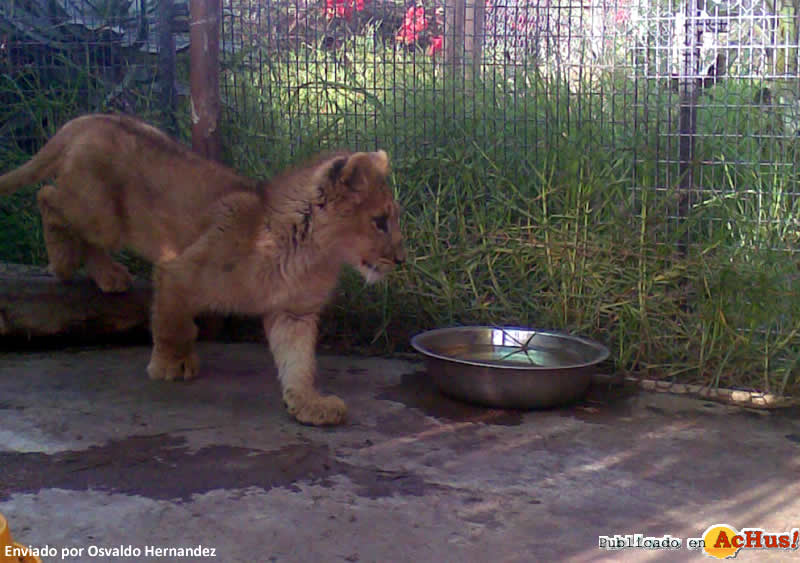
(342, 8)
(413, 24)
(436, 45)
(415, 18)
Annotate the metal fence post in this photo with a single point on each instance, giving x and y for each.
(166, 63)
(689, 92)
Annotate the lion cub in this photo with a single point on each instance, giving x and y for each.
(220, 242)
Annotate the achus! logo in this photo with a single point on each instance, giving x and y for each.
(723, 541)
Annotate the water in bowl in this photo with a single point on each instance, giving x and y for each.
(523, 357)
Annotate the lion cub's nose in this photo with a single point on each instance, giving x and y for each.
(400, 256)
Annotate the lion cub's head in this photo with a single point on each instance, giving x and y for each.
(364, 213)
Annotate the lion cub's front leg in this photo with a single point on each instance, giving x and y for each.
(292, 340)
(174, 332)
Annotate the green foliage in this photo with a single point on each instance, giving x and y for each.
(528, 202)
(533, 201)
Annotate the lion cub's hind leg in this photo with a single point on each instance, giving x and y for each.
(72, 234)
(110, 276)
(65, 250)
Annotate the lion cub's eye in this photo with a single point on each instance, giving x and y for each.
(381, 222)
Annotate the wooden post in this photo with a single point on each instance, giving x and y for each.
(454, 32)
(474, 24)
(204, 68)
(463, 35)
(204, 34)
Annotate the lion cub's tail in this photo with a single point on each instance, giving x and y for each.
(41, 166)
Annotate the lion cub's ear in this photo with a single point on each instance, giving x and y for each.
(381, 161)
(361, 170)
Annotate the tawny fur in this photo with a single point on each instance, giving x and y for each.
(220, 242)
(120, 183)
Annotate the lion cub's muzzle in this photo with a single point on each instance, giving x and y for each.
(380, 268)
(400, 256)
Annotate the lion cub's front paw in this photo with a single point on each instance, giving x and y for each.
(316, 410)
(171, 369)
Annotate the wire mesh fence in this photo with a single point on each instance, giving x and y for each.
(336, 65)
(63, 58)
(718, 84)
(703, 96)
(708, 79)
(632, 164)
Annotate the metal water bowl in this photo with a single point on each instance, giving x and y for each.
(510, 367)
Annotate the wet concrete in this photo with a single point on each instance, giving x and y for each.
(417, 391)
(92, 453)
(128, 466)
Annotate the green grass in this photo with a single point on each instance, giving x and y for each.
(530, 203)
(535, 202)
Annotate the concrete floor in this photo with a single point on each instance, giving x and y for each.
(93, 454)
